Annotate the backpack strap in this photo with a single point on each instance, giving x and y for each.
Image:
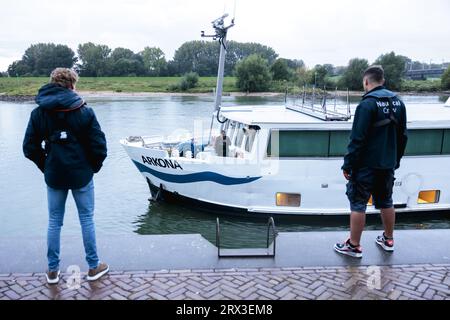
(391, 119)
(59, 130)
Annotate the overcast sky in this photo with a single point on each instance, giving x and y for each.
(316, 31)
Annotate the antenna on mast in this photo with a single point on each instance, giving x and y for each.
(221, 35)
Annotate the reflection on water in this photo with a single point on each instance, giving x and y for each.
(121, 191)
(251, 230)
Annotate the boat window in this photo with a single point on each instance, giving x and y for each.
(446, 142)
(239, 135)
(338, 143)
(251, 134)
(225, 125)
(293, 143)
(297, 143)
(424, 142)
(231, 130)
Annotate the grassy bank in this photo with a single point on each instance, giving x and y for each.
(30, 85)
(430, 85)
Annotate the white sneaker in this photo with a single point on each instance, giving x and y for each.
(97, 273)
(386, 243)
(52, 277)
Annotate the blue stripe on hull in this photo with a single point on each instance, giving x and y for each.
(195, 177)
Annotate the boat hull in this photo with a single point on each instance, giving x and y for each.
(232, 185)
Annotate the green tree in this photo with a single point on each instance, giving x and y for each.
(280, 70)
(155, 63)
(294, 63)
(124, 67)
(203, 56)
(302, 76)
(352, 77)
(197, 56)
(19, 68)
(94, 59)
(124, 62)
(253, 74)
(329, 68)
(40, 59)
(236, 51)
(189, 81)
(339, 71)
(394, 69)
(121, 53)
(319, 75)
(445, 80)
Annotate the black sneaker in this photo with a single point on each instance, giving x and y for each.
(52, 277)
(349, 250)
(386, 243)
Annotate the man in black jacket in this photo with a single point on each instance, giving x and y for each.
(65, 141)
(377, 144)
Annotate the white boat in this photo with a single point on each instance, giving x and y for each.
(288, 161)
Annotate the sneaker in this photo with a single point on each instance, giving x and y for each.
(97, 273)
(349, 250)
(386, 243)
(52, 277)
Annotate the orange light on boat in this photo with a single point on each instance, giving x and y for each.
(370, 202)
(429, 196)
(288, 199)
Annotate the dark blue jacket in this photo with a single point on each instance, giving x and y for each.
(376, 142)
(64, 138)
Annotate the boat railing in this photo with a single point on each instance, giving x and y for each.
(315, 103)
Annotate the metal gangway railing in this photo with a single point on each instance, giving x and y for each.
(268, 251)
(315, 104)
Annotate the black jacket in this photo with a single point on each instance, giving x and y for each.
(64, 138)
(376, 142)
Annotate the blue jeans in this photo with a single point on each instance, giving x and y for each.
(84, 199)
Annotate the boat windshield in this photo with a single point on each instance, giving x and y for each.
(242, 136)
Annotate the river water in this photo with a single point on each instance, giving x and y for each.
(122, 205)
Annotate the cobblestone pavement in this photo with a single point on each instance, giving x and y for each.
(399, 282)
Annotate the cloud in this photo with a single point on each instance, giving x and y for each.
(316, 31)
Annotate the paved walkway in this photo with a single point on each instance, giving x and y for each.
(400, 282)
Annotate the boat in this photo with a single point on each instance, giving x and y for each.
(286, 159)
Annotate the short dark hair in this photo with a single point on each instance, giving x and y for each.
(374, 73)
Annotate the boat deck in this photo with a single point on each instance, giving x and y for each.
(429, 115)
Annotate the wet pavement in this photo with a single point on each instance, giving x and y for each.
(187, 267)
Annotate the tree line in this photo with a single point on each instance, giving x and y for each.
(97, 60)
(256, 74)
(256, 66)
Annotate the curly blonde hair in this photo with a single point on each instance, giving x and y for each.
(64, 77)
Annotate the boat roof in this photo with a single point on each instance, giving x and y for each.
(418, 115)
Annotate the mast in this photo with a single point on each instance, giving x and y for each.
(221, 35)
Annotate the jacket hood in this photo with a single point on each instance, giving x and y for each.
(55, 97)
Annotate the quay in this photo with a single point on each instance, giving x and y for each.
(187, 267)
